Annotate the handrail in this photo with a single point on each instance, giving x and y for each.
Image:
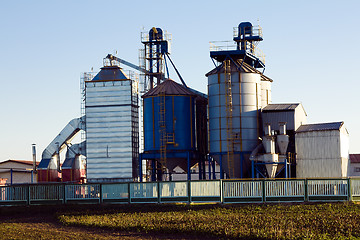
(217, 46)
(201, 191)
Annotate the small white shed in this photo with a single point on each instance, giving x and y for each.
(322, 150)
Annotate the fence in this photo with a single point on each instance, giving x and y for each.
(220, 191)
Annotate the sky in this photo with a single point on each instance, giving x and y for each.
(311, 47)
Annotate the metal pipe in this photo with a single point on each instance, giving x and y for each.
(282, 128)
(34, 156)
(58, 156)
(267, 129)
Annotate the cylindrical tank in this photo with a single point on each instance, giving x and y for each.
(244, 115)
(169, 114)
(265, 91)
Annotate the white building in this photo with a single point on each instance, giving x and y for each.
(322, 150)
(17, 171)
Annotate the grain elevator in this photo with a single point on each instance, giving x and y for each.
(152, 128)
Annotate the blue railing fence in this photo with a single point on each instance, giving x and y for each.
(202, 191)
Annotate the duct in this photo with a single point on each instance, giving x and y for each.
(65, 136)
(72, 160)
(76, 149)
(255, 152)
(282, 139)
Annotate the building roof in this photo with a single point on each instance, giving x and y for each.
(320, 127)
(246, 68)
(281, 107)
(354, 158)
(20, 161)
(110, 73)
(169, 87)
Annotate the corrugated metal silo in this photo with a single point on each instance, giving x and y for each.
(237, 92)
(241, 129)
(265, 91)
(170, 126)
(112, 137)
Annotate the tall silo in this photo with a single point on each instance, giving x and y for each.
(170, 125)
(237, 91)
(112, 134)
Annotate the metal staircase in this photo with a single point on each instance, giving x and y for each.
(162, 130)
(229, 119)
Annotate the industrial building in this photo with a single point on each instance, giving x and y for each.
(153, 128)
(322, 150)
(112, 125)
(17, 171)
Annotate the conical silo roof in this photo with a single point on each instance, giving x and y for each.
(169, 87)
(242, 67)
(110, 73)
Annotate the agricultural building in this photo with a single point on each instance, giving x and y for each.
(322, 150)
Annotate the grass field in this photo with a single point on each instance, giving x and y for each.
(256, 221)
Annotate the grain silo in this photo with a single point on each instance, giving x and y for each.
(237, 91)
(112, 135)
(170, 126)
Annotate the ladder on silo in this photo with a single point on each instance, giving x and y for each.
(229, 119)
(162, 130)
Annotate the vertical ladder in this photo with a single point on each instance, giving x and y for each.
(162, 130)
(229, 119)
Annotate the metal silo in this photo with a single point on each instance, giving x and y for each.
(112, 135)
(265, 91)
(169, 129)
(236, 91)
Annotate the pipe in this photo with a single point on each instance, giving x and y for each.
(34, 156)
(58, 156)
(267, 129)
(282, 128)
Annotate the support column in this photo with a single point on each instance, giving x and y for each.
(209, 161)
(153, 170)
(214, 168)
(241, 165)
(200, 168)
(252, 169)
(11, 176)
(140, 168)
(221, 168)
(188, 167)
(204, 167)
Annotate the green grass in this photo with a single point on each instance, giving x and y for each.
(208, 221)
(300, 221)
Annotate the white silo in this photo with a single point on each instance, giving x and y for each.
(265, 91)
(237, 91)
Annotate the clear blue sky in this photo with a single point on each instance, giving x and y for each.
(312, 54)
